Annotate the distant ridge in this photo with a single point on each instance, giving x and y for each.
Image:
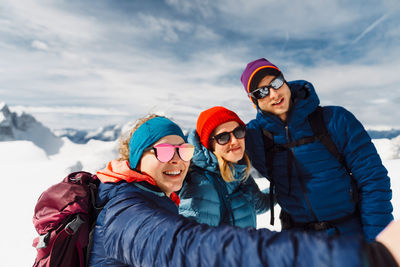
(24, 126)
(378, 134)
(112, 133)
(12, 127)
(107, 133)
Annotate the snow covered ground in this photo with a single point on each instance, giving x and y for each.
(27, 170)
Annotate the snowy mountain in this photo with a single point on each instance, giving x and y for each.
(378, 134)
(23, 126)
(112, 133)
(107, 133)
(14, 126)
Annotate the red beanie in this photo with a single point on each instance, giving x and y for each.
(210, 119)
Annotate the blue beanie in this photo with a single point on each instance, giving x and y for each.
(147, 134)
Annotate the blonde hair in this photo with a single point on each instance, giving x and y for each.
(227, 169)
(125, 138)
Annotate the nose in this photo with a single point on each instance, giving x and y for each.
(273, 93)
(176, 157)
(233, 140)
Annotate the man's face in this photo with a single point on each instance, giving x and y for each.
(277, 102)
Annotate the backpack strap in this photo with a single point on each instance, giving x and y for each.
(318, 126)
(93, 187)
(226, 212)
(269, 150)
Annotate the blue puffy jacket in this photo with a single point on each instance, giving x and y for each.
(200, 198)
(327, 184)
(140, 226)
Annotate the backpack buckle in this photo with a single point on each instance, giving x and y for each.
(319, 226)
(43, 240)
(73, 226)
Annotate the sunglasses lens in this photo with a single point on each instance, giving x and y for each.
(186, 151)
(164, 152)
(239, 132)
(223, 138)
(261, 92)
(277, 82)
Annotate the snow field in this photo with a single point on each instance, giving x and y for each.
(27, 171)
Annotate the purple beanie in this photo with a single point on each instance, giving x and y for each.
(248, 76)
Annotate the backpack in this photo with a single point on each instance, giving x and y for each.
(322, 135)
(64, 216)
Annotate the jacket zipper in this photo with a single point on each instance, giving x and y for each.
(302, 185)
(288, 138)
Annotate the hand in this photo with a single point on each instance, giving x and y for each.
(390, 237)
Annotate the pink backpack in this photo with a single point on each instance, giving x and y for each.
(64, 217)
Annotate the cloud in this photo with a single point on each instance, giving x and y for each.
(48, 21)
(40, 45)
(70, 110)
(369, 91)
(204, 7)
(136, 57)
(167, 29)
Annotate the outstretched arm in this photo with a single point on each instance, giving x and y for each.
(139, 233)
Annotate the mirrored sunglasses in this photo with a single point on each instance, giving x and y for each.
(165, 152)
(224, 138)
(262, 92)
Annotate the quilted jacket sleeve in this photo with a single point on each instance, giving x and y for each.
(200, 200)
(372, 177)
(139, 233)
(260, 198)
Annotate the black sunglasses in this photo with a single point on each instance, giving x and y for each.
(262, 92)
(224, 138)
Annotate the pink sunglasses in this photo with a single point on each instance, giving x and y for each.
(165, 152)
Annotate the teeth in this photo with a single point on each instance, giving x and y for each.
(278, 101)
(173, 172)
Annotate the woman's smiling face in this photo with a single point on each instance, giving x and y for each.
(233, 151)
(169, 176)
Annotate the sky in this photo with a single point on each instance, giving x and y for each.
(86, 64)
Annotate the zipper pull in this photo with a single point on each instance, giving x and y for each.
(287, 132)
(288, 137)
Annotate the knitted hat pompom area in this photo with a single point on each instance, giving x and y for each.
(210, 119)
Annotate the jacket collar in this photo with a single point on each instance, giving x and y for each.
(117, 171)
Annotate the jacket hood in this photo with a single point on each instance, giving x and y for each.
(304, 101)
(117, 175)
(117, 171)
(205, 159)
